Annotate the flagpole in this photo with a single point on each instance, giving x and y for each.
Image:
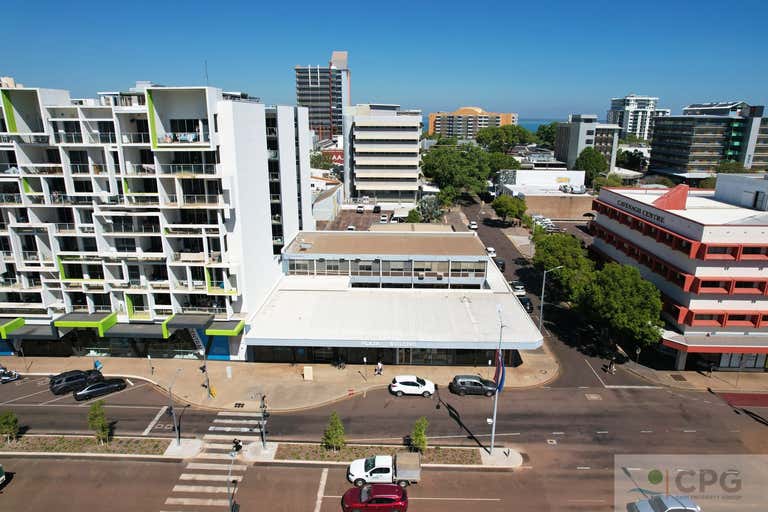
(499, 359)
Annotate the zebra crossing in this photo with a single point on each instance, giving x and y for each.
(208, 477)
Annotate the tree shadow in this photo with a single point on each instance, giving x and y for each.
(757, 417)
(456, 417)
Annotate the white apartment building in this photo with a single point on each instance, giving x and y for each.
(381, 144)
(157, 213)
(706, 251)
(636, 114)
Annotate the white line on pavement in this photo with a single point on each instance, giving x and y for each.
(321, 490)
(233, 429)
(431, 498)
(215, 467)
(197, 501)
(154, 421)
(212, 478)
(583, 467)
(617, 386)
(246, 414)
(232, 422)
(242, 438)
(646, 431)
(689, 431)
(66, 395)
(558, 433)
(88, 402)
(25, 396)
(129, 381)
(198, 488)
(593, 371)
(601, 432)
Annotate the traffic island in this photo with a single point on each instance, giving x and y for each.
(318, 453)
(85, 445)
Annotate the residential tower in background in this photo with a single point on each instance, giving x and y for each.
(583, 131)
(465, 122)
(325, 91)
(636, 115)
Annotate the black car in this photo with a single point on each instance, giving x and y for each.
(377, 209)
(527, 304)
(472, 385)
(103, 387)
(500, 263)
(73, 380)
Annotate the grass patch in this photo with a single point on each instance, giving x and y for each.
(437, 455)
(61, 444)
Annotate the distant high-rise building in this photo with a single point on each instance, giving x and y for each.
(381, 144)
(582, 131)
(636, 115)
(325, 91)
(708, 134)
(466, 121)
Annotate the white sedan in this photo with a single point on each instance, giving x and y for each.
(491, 252)
(412, 385)
(472, 225)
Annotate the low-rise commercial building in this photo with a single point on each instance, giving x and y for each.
(692, 145)
(465, 122)
(706, 251)
(583, 131)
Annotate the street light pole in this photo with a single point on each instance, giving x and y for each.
(543, 284)
(172, 409)
(496, 394)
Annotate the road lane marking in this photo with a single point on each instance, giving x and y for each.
(558, 433)
(646, 431)
(155, 420)
(233, 413)
(199, 488)
(601, 432)
(236, 429)
(66, 395)
(212, 478)
(617, 386)
(88, 402)
(583, 467)
(689, 431)
(220, 456)
(593, 371)
(321, 490)
(242, 438)
(215, 467)
(327, 496)
(240, 422)
(129, 381)
(205, 502)
(26, 396)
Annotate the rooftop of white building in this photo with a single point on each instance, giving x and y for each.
(380, 243)
(325, 310)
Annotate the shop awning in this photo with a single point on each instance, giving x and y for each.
(7, 326)
(136, 331)
(99, 321)
(39, 332)
(225, 328)
(189, 321)
(750, 344)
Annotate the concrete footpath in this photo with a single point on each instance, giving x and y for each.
(285, 385)
(721, 382)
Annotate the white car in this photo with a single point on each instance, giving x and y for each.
(412, 385)
(384, 219)
(491, 252)
(517, 288)
(472, 225)
(350, 228)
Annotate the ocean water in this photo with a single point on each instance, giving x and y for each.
(533, 124)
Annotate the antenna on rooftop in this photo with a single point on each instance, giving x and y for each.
(206, 71)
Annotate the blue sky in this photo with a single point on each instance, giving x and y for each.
(540, 58)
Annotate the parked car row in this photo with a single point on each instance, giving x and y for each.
(546, 224)
(84, 384)
(461, 385)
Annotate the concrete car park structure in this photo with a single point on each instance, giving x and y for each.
(706, 251)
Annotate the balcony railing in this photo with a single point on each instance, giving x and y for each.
(201, 199)
(6, 254)
(102, 138)
(65, 227)
(135, 138)
(203, 309)
(188, 169)
(143, 228)
(9, 169)
(10, 198)
(25, 139)
(275, 198)
(182, 138)
(102, 308)
(41, 169)
(30, 256)
(142, 169)
(134, 199)
(57, 198)
(274, 176)
(69, 138)
(80, 168)
(8, 282)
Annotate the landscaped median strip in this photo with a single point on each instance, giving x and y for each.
(71, 444)
(316, 452)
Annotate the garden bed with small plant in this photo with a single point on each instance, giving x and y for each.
(333, 447)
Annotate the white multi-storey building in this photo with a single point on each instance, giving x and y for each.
(706, 251)
(154, 213)
(636, 114)
(381, 144)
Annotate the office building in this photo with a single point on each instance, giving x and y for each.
(636, 115)
(153, 214)
(381, 144)
(465, 122)
(325, 91)
(583, 131)
(692, 145)
(706, 251)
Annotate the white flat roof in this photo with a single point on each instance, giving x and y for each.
(390, 318)
(700, 207)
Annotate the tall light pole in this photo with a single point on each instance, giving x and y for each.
(543, 284)
(172, 410)
(496, 394)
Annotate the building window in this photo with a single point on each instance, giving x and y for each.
(298, 267)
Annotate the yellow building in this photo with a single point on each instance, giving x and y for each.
(466, 121)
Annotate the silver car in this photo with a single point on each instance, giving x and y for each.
(664, 504)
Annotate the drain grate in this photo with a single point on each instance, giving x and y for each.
(678, 377)
(239, 405)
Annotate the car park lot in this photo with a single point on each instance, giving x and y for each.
(361, 221)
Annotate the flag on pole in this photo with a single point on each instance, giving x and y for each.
(501, 372)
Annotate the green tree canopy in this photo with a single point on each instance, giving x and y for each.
(319, 160)
(563, 249)
(334, 437)
(660, 180)
(463, 168)
(447, 196)
(419, 434)
(506, 206)
(731, 167)
(9, 426)
(633, 140)
(501, 139)
(623, 304)
(633, 160)
(592, 162)
(612, 180)
(97, 421)
(546, 133)
(707, 183)
(413, 216)
(499, 161)
(429, 208)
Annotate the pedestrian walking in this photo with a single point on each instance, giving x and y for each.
(379, 368)
(612, 366)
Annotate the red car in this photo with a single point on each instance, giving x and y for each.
(375, 497)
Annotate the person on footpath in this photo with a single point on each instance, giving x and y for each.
(379, 368)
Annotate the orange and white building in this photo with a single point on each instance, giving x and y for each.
(707, 252)
(465, 122)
